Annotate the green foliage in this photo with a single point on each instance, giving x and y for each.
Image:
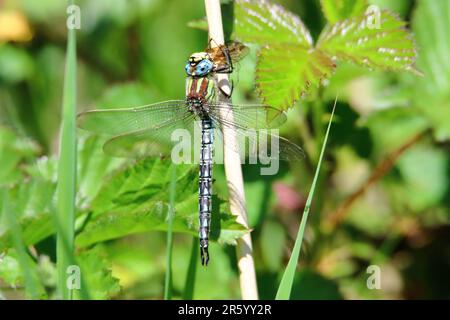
(14, 150)
(310, 285)
(424, 170)
(431, 93)
(338, 10)
(170, 214)
(133, 53)
(388, 47)
(95, 270)
(31, 282)
(263, 22)
(135, 200)
(289, 63)
(33, 210)
(285, 72)
(15, 64)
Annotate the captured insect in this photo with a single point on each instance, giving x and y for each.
(146, 131)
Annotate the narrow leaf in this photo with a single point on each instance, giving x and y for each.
(65, 217)
(171, 212)
(284, 290)
(189, 284)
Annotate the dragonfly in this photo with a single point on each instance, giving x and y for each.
(146, 131)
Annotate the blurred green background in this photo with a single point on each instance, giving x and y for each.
(394, 128)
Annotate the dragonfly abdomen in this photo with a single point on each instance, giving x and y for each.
(205, 188)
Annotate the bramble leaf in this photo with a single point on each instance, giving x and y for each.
(96, 271)
(288, 64)
(285, 72)
(33, 209)
(337, 10)
(387, 46)
(263, 23)
(134, 200)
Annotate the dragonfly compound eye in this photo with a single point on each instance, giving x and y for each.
(204, 67)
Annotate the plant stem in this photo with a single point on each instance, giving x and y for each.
(232, 164)
(65, 213)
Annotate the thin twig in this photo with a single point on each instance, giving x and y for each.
(381, 169)
(232, 163)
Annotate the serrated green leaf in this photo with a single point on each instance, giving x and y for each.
(285, 72)
(13, 151)
(33, 209)
(10, 273)
(337, 10)
(359, 40)
(13, 273)
(263, 22)
(96, 273)
(135, 200)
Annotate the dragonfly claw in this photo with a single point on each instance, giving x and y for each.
(204, 255)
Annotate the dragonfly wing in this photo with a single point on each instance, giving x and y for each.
(235, 50)
(122, 121)
(253, 126)
(159, 141)
(251, 116)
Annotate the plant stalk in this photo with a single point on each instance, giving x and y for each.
(232, 164)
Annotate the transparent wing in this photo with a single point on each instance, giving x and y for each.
(158, 141)
(122, 121)
(254, 126)
(251, 116)
(235, 50)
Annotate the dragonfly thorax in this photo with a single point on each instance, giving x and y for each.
(199, 91)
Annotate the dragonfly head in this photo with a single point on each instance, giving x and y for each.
(199, 64)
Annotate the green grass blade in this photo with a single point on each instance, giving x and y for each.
(31, 280)
(189, 285)
(67, 169)
(284, 290)
(168, 279)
